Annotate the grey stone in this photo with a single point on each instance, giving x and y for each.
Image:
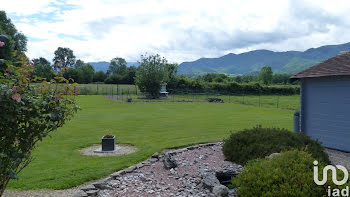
(89, 187)
(227, 173)
(273, 155)
(174, 152)
(140, 165)
(169, 161)
(220, 190)
(92, 193)
(130, 169)
(172, 171)
(153, 160)
(102, 184)
(209, 180)
(155, 155)
(143, 178)
(80, 193)
(192, 147)
(118, 174)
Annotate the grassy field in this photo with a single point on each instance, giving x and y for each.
(131, 91)
(107, 89)
(275, 101)
(151, 127)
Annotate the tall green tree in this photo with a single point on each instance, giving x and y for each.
(119, 73)
(86, 73)
(16, 45)
(80, 72)
(151, 73)
(117, 66)
(20, 42)
(266, 74)
(99, 76)
(64, 57)
(43, 69)
(79, 63)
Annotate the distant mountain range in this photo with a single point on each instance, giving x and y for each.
(252, 61)
(104, 65)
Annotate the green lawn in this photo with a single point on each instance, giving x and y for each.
(275, 101)
(126, 91)
(151, 127)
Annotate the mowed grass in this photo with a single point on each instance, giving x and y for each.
(274, 101)
(126, 91)
(151, 127)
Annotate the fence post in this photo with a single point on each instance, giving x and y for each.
(97, 89)
(243, 97)
(136, 89)
(259, 99)
(229, 100)
(112, 91)
(278, 99)
(117, 91)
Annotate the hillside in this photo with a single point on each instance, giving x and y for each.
(244, 63)
(104, 65)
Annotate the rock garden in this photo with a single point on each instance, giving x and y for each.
(253, 162)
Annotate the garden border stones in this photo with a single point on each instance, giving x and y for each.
(93, 189)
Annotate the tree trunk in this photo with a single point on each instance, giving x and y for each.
(3, 184)
(2, 189)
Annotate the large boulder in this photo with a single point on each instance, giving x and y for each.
(215, 100)
(169, 161)
(209, 180)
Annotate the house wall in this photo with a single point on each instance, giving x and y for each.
(326, 110)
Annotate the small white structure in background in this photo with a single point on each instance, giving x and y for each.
(163, 92)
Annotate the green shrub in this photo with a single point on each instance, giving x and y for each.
(288, 174)
(260, 142)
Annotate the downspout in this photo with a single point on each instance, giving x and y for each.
(301, 114)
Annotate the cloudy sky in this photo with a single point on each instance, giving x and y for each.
(180, 30)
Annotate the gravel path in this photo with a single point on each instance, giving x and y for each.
(339, 157)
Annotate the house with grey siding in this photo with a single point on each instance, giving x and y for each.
(325, 102)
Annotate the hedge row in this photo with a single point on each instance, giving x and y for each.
(196, 86)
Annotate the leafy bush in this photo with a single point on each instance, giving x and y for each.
(260, 142)
(288, 174)
(28, 113)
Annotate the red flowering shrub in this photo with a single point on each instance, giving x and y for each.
(28, 113)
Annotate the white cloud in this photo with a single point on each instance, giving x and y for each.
(179, 30)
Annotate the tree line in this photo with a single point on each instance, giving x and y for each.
(119, 73)
(155, 70)
(81, 72)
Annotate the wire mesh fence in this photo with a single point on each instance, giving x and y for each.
(130, 93)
